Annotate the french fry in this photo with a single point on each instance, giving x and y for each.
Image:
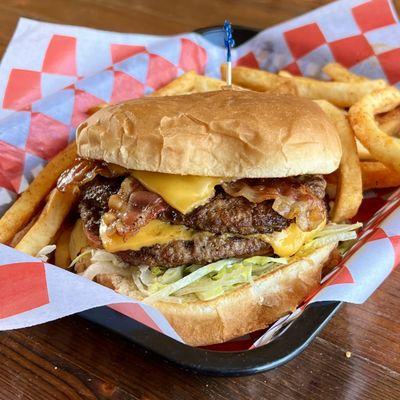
(182, 85)
(19, 214)
(20, 234)
(376, 176)
(383, 148)
(61, 256)
(349, 187)
(338, 73)
(285, 74)
(390, 122)
(78, 239)
(341, 94)
(206, 84)
(363, 153)
(50, 219)
(190, 82)
(254, 79)
(284, 88)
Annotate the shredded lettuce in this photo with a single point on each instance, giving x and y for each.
(103, 262)
(171, 288)
(137, 277)
(189, 283)
(171, 275)
(332, 233)
(81, 257)
(104, 268)
(332, 229)
(45, 252)
(214, 285)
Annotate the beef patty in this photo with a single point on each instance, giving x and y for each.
(205, 248)
(226, 214)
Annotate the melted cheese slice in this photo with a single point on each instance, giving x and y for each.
(155, 232)
(288, 241)
(285, 243)
(183, 192)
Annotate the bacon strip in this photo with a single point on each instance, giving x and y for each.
(84, 171)
(132, 208)
(293, 199)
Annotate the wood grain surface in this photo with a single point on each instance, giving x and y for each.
(73, 359)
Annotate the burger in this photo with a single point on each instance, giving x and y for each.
(211, 207)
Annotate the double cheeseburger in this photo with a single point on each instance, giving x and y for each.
(210, 206)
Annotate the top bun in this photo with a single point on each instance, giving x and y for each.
(226, 133)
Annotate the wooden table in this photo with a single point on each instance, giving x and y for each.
(73, 359)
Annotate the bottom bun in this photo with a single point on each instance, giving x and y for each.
(241, 311)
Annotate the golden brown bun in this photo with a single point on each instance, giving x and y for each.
(243, 310)
(224, 133)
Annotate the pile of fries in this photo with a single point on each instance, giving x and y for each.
(365, 112)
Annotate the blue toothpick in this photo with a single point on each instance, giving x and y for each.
(229, 43)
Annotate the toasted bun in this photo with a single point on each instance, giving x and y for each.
(244, 310)
(225, 133)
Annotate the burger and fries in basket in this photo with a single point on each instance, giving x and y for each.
(222, 206)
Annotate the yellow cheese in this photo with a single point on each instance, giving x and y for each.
(285, 243)
(183, 192)
(288, 241)
(155, 232)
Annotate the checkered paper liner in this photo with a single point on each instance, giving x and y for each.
(51, 74)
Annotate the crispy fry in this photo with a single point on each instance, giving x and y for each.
(285, 74)
(20, 234)
(376, 176)
(50, 219)
(287, 87)
(363, 153)
(272, 83)
(61, 257)
(341, 94)
(390, 122)
(78, 239)
(339, 73)
(253, 79)
(182, 85)
(349, 188)
(206, 84)
(382, 147)
(191, 83)
(19, 214)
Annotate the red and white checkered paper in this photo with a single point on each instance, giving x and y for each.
(51, 74)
